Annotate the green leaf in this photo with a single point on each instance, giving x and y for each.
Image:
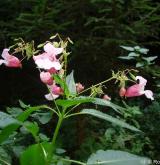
(35, 154)
(23, 105)
(149, 59)
(103, 102)
(14, 111)
(139, 64)
(143, 50)
(43, 117)
(5, 159)
(113, 157)
(6, 119)
(126, 57)
(71, 83)
(127, 48)
(8, 130)
(72, 102)
(32, 128)
(133, 54)
(109, 118)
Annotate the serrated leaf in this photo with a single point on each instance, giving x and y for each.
(109, 118)
(113, 157)
(103, 102)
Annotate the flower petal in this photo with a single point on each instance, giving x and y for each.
(149, 94)
(2, 62)
(51, 97)
(50, 49)
(142, 81)
(5, 53)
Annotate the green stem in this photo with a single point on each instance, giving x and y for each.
(57, 130)
(53, 142)
(96, 85)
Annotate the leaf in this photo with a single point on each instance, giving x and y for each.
(133, 54)
(14, 111)
(149, 59)
(6, 119)
(126, 57)
(113, 157)
(127, 48)
(71, 83)
(109, 118)
(72, 102)
(23, 105)
(139, 64)
(43, 117)
(32, 128)
(143, 50)
(5, 159)
(103, 102)
(5, 133)
(35, 154)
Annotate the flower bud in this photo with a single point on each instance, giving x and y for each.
(122, 91)
(46, 78)
(79, 87)
(106, 97)
(57, 90)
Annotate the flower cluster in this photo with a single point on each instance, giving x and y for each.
(49, 63)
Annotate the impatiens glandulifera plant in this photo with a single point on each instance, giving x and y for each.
(66, 95)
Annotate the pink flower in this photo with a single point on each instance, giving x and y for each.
(122, 91)
(79, 87)
(48, 60)
(55, 92)
(46, 78)
(138, 89)
(106, 97)
(9, 60)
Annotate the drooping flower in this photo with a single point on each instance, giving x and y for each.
(10, 60)
(48, 60)
(46, 78)
(79, 87)
(106, 97)
(138, 89)
(122, 91)
(55, 92)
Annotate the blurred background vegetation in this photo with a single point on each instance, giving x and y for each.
(97, 28)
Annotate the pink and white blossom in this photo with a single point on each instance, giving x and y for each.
(139, 89)
(48, 60)
(10, 60)
(55, 92)
(46, 78)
